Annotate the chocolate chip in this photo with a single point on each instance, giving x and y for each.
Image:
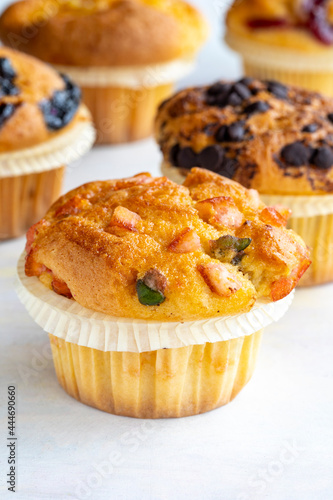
(236, 131)
(246, 81)
(256, 107)
(210, 129)
(222, 134)
(234, 99)
(296, 154)
(323, 157)
(312, 127)
(211, 100)
(277, 89)
(6, 111)
(173, 155)
(228, 168)
(330, 117)
(242, 90)
(220, 99)
(211, 157)
(187, 158)
(218, 88)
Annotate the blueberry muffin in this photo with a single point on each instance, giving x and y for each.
(42, 125)
(287, 40)
(124, 54)
(267, 136)
(163, 255)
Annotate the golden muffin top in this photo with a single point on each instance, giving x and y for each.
(103, 32)
(148, 248)
(265, 135)
(36, 102)
(303, 25)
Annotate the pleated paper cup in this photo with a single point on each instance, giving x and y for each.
(148, 369)
(123, 100)
(31, 179)
(312, 219)
(310, 71)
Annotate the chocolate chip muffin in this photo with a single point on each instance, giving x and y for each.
(157, 259)
(124, 54)
(41, 118)
(265, 135)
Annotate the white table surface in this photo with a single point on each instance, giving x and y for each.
(275, 441)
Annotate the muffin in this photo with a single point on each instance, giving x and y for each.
(158, 293)
(266, 136)
(286, 40)
(124, 54)
(43, 126)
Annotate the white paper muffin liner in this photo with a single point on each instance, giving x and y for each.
(302, 206)
(146, 76)
(61, 150)
(280, 57)
(68, 320)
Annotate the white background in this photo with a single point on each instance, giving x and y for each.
(273, 442)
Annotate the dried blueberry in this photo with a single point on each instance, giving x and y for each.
(187, 158)
(211, 157)
(6, 111)
(61, 108)
(277, 89)
(323, 157)
(256, 107)
(330, 117)
(7, 76)
(7, 88)
(296, 154)
(6, 69)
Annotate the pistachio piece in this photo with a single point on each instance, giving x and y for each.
(151, 287)
(229, 248)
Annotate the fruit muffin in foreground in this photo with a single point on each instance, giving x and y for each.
(287, 40)
(43, 126)
(124, 54)
(200, 266)
(267, 136)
